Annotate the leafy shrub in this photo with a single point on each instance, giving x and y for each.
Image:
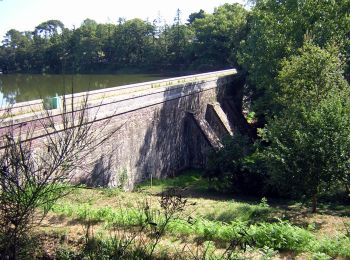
(280, 236)
(65, 253)
(112, 248)
(235, 169)
(339, 246)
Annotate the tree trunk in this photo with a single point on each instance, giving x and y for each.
(347, 188)
(314, 203)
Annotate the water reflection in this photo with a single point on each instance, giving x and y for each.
(24, 87)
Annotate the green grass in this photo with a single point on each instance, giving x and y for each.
(220, 221)
(232, 211)
(108, 215)
(189, 179)
(280, 235)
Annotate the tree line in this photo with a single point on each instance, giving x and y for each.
(205, 42)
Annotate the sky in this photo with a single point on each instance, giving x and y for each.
(24, 15)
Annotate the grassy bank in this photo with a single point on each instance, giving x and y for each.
(209, 224)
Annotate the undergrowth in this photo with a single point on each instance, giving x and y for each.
(230, 226)
(280, 235)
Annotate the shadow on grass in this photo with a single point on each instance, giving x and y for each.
(191, 184)
(334, 209)
(250, 213)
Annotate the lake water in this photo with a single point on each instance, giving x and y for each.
(17, 88)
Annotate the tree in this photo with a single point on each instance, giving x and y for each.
(47, 49)
(89, 46)
(207, 41)
(309, 151)
(277, 29)
(16, 46)
(309, 139)
(133, 40)
(34, 174)
(49, 28)
(179, 38)
(193, 16)
(105, 33)
(309, 77)
(217, 36)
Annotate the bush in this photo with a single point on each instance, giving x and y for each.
(280, 236)
(236, 169)
(339, 246)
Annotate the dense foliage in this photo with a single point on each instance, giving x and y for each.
(277, 29)
(296, 55)
(309, 150)
(308, 77)
(310, 138)
(205, 42)
(236, 169)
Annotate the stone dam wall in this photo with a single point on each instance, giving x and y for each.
(164, 126)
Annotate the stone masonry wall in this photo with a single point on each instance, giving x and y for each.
(156, 141)
(156, 136)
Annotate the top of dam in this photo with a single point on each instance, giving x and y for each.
(30, 109)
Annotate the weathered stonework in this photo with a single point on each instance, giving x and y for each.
(157, 135)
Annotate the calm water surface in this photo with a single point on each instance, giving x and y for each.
(17, 88)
